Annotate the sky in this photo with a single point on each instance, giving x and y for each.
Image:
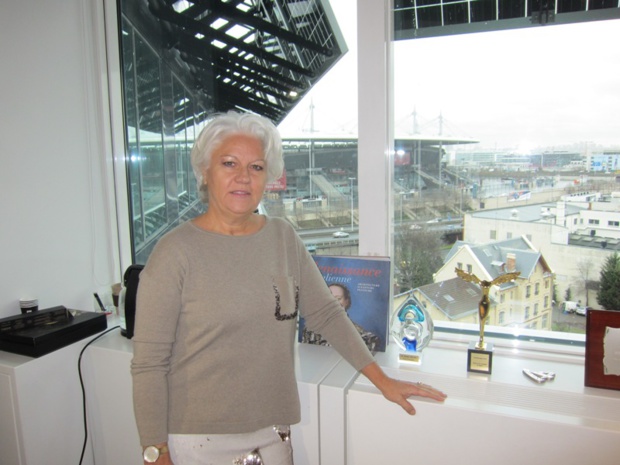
(548, 86)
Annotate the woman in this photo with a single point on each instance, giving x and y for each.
(213, 366)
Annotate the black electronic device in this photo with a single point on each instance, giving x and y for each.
(131, 279)
(41, 332)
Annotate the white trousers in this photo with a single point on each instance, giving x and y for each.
(262, 447)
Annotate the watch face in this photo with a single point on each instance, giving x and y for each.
(151, 454)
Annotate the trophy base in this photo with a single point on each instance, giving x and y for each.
(410, 357)
(480, 360)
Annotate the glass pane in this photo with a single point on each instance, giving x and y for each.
(183, 171)
(319, 195)
(507, 151)
(131, 135)
(151, 150)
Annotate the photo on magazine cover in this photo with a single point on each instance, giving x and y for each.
(362, 286)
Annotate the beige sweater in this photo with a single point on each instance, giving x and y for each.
(213, 347)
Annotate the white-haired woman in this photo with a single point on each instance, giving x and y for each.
(213, 367)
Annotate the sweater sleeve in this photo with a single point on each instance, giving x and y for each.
(323, 314)
(157, 313)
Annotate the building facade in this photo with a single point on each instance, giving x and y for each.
(525, 302)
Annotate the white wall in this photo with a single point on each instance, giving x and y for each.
(56, 239)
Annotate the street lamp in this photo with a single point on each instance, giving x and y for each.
(351, 194)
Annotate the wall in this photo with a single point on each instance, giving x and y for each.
(56, 239)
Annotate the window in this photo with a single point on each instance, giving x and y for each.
(496, 171)
(451, 161)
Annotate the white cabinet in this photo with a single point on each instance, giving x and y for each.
(41, 419)
(9, 443)
(487, 419)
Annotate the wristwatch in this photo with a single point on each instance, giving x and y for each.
(152, 453)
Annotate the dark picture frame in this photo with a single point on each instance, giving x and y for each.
(597, 321)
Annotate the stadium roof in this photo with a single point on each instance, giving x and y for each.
(415, 19)
(258, 56)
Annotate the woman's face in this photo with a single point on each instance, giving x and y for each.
(237, 175)
(339, 294)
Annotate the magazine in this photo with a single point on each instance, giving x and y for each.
(362, 286)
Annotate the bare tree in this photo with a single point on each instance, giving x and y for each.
(584, 266)
(417, 256)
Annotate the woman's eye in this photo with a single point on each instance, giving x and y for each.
(228, 163)
(259, 167)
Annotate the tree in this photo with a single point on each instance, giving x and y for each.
(417, 257)
(609, 291)
(584, 266)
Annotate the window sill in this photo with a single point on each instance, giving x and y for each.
(507, 391)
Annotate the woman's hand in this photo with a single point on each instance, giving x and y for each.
(399, 391)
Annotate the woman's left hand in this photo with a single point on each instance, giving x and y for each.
(399, 391)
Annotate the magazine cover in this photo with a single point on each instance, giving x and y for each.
(362, 286)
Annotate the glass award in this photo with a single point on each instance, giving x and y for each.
(411, 328)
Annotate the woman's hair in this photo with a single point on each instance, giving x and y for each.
(223, 125)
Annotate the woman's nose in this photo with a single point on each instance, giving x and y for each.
(243, 176)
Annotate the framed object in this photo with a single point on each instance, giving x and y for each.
(602, 363)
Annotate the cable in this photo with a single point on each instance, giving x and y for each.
(84, 391)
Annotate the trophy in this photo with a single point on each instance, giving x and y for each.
(412, 329)
(480, 354)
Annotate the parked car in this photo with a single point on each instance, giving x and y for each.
(341, 234)
(582, 310)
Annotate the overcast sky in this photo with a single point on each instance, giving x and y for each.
(546, 86)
